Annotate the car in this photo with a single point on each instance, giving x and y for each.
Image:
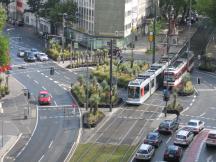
(184, 137)
(145, 152)
(20, 23)
(196, 125)
(30, 58)
(153, 138)
(168, 126)
(42, 56)
(173, 153)
(34, 50)
(21, 53)
(211, 139)
(44, 98)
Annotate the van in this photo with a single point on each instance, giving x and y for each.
(211, 139)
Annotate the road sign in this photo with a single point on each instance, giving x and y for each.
(76, 45)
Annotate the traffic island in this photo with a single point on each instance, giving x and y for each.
(91, 119)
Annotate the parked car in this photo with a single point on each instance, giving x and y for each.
(173, 153)
(211, 139)
(153, 138)
(168, 126)
(145, 152)
(30, 58)
(42, 57)
(44, 98)
(21, 53)
(196, 125)
(184, 137)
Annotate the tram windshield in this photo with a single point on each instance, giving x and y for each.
(169, 77)
(133, 92)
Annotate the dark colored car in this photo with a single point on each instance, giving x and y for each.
(168, 126)
(30, 58)
(173, 153)
(153, 138)
(20, 23)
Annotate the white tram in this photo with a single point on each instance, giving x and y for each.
(145, 84)
(174, 73)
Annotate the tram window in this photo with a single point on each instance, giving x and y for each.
(146, 88)
(133, 92)
(152, 83)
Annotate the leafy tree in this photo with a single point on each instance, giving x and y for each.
(3, 18)
(207, 7)
(35, 7)
(5, 3)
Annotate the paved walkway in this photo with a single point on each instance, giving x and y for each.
(15, 127)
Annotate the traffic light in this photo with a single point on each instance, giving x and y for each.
(52, 70)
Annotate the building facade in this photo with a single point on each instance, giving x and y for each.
(101, 20)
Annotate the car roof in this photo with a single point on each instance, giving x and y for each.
(212, 132)
(144, 147)
(194, 120)
(166, 121)
(43, 92)
(183, 132)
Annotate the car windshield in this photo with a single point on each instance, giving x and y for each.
(166, 125)
(152, 136)
(142, 151)
(212, 136)
(192, 124)
(172, 149)
(44, 95)
(180, 137)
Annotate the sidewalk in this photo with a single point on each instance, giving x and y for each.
(15, 127)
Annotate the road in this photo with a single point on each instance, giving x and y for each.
(57, 125)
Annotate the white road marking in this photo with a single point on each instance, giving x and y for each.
(46, 76)
(65, 88)
(42, 73)
(50, 79)
(193, 100)
(55, 103)
(38, 71)
(185, 110)
(28, 76)
(75, 73)
(56, 82)
(66, 77)
(207, 90)
(57, 72)
(44, 88)
(50, 143)
(168, 140)
(202, 114)
(199, 151)
(41, 158)
(191, 104)
(36, 81)
(213, 108)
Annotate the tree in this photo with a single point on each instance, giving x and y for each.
(3, 18)
(207, 7)
(35, 7)
(5, 3)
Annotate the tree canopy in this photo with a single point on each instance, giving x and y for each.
(207, 7)
(3, 18)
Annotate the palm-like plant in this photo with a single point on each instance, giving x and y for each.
(94, 102)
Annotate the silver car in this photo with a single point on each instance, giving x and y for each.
(145, 152)
(42, 57)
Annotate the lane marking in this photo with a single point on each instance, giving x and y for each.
(50, 143)
(202, 114)
(213, 108)
(56, 82)
(42, 74)
(38, 71)
(44, 88)
(28, 76)
(55, 103)
(193, 100)
(41, 158)
(57, 73)
(66, 77)
(168, 140)
(50, 79)
(36, 81)
(46, 76)
(191, 104)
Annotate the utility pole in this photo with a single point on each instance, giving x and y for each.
(63, 40)
(154, 32)
(189, 29)
(111, 55)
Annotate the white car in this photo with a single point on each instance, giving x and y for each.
(21, 53)
(145, 152)
(195, 125)
(42, 57)
(211, 139)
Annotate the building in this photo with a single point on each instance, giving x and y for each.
(101, 20)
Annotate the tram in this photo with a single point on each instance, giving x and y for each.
(175, 72)
(146, 84)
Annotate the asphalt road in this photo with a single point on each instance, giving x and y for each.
(57, 125)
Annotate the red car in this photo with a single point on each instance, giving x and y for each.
(44, 98)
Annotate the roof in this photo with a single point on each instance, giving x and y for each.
(43, 92)
(144, 147)
(212, 131)
(182, 132)
(194, 120)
